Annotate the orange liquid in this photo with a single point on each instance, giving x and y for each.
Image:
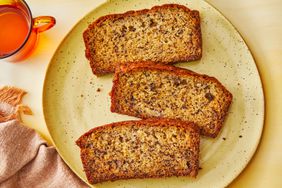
(14, 28)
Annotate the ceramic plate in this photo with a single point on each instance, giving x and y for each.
(74, 100)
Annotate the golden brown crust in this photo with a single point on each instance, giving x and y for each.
(161, 122)
(100, 20)
(173, 70)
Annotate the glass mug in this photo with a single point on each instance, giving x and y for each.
(18, 30)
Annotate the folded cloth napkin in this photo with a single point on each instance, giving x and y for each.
(25, 159)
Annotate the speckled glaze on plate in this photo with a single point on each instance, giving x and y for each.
(74, 100)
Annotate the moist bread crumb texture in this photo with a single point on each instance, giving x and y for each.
(166, 34)
(147, 90)
(140, 149)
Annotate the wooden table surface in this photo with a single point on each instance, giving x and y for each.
(258, 21)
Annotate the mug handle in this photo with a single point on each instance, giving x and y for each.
(43, 23)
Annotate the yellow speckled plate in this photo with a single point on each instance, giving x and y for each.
(73, 105)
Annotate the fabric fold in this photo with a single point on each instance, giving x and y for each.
(25, 158)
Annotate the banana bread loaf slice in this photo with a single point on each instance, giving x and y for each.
(147, 90)
(169, 33)
(150, 148)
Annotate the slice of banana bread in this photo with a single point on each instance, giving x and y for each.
(151, 148)
(169, 33)
(147, 90)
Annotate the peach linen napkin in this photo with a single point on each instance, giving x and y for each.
(25, 159)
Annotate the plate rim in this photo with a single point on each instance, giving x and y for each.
(227, 181)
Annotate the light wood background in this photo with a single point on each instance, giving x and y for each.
(258, 21)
